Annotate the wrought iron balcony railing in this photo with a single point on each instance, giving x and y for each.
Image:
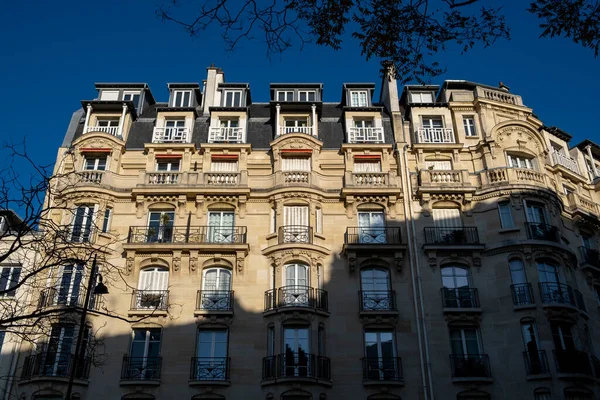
(536, 362)
(382, 369)
(187, 234)
(537, 231)
(573, 362)
(209, 369)
(367, 235)
(463, 297)
(295, 234)
(214, 300)
(51, 364)
(53, 297)
(149, 300)
(377, 300)
(470, 366)
(590, 256)
(556, 293)
(452, 236)
(141, 368)
(296, 365)
(296, 296)
(522, 294)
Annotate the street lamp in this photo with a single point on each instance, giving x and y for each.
(99, 289)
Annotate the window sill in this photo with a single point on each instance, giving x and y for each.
(319, 235)
(509, 230)
(271, 235)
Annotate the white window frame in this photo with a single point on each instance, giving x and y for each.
(232, 93)
(90, 211)
(470, 129)
(132, 94)
(3, 224)
(106, 219)
(427, 121)
(286, 94)
(14, 273)
(307, 93)
(96, 157)
(111, 122)
(417, 97)
(319, 220)
(515, 161)
(109, 95)
(169, 162)
(183, 93)
(296, 164)
(362, 98)
(295, 120)
(505, 214)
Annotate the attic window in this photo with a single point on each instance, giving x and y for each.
(233, 98)
(285, 95)
(182, 98)
(134, 97)
(358, 98)
(421, 97)
(306, 95)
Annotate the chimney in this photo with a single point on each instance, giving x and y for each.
(214, 76)
(503, 87)
(389, 89)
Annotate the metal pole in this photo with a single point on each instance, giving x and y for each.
(81, 328)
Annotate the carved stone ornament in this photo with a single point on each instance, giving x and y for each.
(129, 264)
(193, 264)
(176, 263)
(240, 264)
(399, 260)
(352, 261)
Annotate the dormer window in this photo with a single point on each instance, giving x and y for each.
(134, 97)
(108, 95)
(306, 95)
(358, 98)
(233, 98)
(285, 95)
(421, 97)
(182, 98)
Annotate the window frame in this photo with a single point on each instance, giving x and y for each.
(470, 130)
(358, 103)
(507, 220)
(286, 95)
(133, 93)
(182, 100)
(108, 122)
(169, 163)
(233, 93)
(307, 93)
(106, 220)
(14, 273)
(527, 161)
(430, 119)
(420, 94)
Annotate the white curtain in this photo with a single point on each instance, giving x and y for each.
(224, 166)
(296, 275)
(295, 163)
(439, 165)
(154, 279)
(446, 217)
(371, 166)
(295, 215)
(217, 279)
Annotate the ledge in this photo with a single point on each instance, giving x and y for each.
(60, 379)
(283, 310)
(298, 380)
(202, 247)
(141, 382)
(539, 377)
(149, 313)
(509, 230)
(473, 310)
(217, 313)
(369, 382)
(524, 307)
(561, 305)
(574, 376)
(209, 383)
(476, 379)
(439, 246)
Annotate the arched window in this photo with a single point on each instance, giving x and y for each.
(376, 294)
(216, 290)
(548, 271)
(296, 275)
(535, 359)
(221, 226)
(216, 279)
(521, 290)
(295, 290)
(455, 276)
(371, 226)
(152, 288)
(456, 290)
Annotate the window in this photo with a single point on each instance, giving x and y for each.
(588, 240)
(296, 349)
(363, 123)
(469, 124)
(95, 162)
(434, 122)
(542, 394)
(562, 336)
(520, 161)
(3, 224)
(160, 226)
(305, 95)
(506, 219)
(220, 165)
(597, 293)
(182, 98)
(535, 359)
(229, 123)
(439, 165)
(69, 285)
(365, 166)
(465, 342)
(521, 289)
(167, 164)
(447, 218)
(371, 227)
(380, 355)
(152, 288)
(83, 223)
(359, 98)
(321, 340)
(216, 287)
(9, 278)
(109, 122)
(144, 360)
(298, 125)
(221, 227)
(456, 288)
(270, 341)
(421, 97)
(233, 98)
(211, 355)
(57, 352)
(285, 96)
(548, 272)
(134, 97)
(295, 163)
(535, 213)
(296, 228)
(108, 95)
(106, 220)
(375, 290)
(273, 220)
(517, 271)
(2, 335)
(319, 220)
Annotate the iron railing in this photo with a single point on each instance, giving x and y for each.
(470, 366)
(590, 256)
(536, 362)
(214, 300)
(149, 300)
(141, 368)
(209, 369)
(573, 362)
(522, 294)
(51, 364)
(296, 365)
(187, 234)
(295, 234)
(552, 292)
(579, 300)
(367, 235)
(463, 297)
(377, 300)
(296, 296)
(382, 368)
(537, 231)
(452, 235)
(53, 297)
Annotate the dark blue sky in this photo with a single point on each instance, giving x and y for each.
(53, 52)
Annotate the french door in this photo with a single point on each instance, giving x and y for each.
(380, 356)
(216, 286)
(57, 357)
(69, 286)
(296, 228)
(536, 364)
(152, 288)
(145, 354)
(375, 286)
(296, 288)
(211, 355)
(220, 227)
(536, 213)
(160, 226)
(371, 226)
(521, 290)
(296, 351)
(82, 223)
(457, 291)
(465, 342)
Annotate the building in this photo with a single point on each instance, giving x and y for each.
(439, 243)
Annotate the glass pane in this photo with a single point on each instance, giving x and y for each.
(517, 272)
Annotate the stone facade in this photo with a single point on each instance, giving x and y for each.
(439, 243)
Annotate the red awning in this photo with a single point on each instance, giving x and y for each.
(296, 151)
(367, 157)
(170, 156)
(224, 157)
(95, 150)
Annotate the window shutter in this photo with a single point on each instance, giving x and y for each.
(368, 166)
(295, 164)
(447, 217)
(224, 166)
(296, 215)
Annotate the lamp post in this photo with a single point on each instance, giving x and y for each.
(99, 289)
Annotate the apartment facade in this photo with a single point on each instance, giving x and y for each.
(437, 243)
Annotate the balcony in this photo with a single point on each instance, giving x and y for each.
(466, 367)
(583, 206)
(226, 135)
(141, 369)
(372, 236)
(284, 130)
(574, 363)
(444, 181)
(111, 130)
(214, 301)
(522, 294)
(460, 299)
(590, 257)
(184, 235)
(295, 234)
(209, 370)
(512, 176)
(565, 161)
(52, 297)
(377, 301)
(537, 231)
(54, 365)
(385, 370)
(163, 178)
(171, 135)
(370, 179)
(536, 363)
(366, 135)
(93, 177)
(557, 294)
(297, 298)
(298, 366)
(452, 236)
(150, 301)
(222, 178)
(499, 96)
(435, 135)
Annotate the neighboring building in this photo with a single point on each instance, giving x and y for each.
(437, 243)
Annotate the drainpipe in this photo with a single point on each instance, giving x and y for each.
(122, 121)
(87, 118)
(277, 110)
(416, 279)
(314, 120)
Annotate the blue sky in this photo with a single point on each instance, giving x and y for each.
(53, 52)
